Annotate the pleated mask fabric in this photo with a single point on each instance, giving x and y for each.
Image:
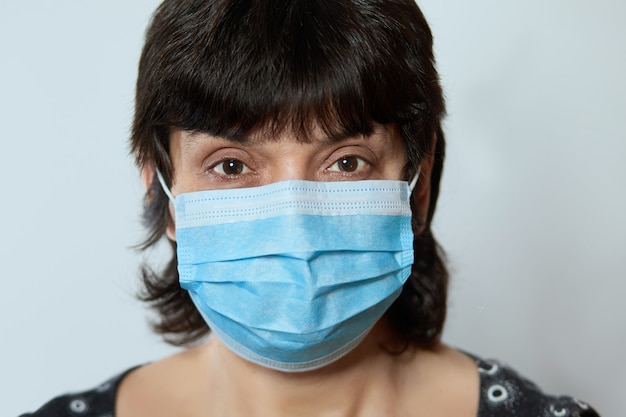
(292, 275)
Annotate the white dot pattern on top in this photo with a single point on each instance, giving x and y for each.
(99, 402)
(79, 406)
(503, 393)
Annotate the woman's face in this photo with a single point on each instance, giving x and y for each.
(205, 162)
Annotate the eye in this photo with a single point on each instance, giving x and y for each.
(348, 164)
(231, 167)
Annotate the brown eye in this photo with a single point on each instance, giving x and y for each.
(348, 164)
(231, 167)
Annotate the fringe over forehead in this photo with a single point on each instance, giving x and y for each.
(230, 67)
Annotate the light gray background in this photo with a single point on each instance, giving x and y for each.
(531, 213)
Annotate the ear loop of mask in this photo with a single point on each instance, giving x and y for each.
(166, 189)
(413, 182)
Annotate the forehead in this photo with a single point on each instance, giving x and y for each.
(311, 135)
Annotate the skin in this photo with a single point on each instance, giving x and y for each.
(209, 380)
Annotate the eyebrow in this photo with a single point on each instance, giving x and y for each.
(199, 135)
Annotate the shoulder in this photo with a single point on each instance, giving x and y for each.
(439, 381)
(504, 392)
(174, 385)
(96, 402)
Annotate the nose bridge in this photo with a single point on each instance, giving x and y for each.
(292, 161)
(290, 168)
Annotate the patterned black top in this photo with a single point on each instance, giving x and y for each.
(503, 393)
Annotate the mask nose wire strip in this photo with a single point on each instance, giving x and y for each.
(166, 189)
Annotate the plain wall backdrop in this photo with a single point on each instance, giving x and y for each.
(531, 212)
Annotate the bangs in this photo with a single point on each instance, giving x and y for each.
(267, 66)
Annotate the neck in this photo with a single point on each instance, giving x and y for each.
(353, 382)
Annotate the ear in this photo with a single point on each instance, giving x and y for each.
(421, 195)
(148, 179)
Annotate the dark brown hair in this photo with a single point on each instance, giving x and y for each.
(230, 67)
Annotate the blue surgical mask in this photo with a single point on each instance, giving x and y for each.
(293, 275)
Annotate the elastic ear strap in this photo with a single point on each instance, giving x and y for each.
(415, 178)
(166, 189)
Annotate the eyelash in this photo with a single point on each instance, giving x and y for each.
(243, 170)
(360, 163)
(353, 166)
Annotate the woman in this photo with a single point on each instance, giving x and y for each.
(292, 153)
